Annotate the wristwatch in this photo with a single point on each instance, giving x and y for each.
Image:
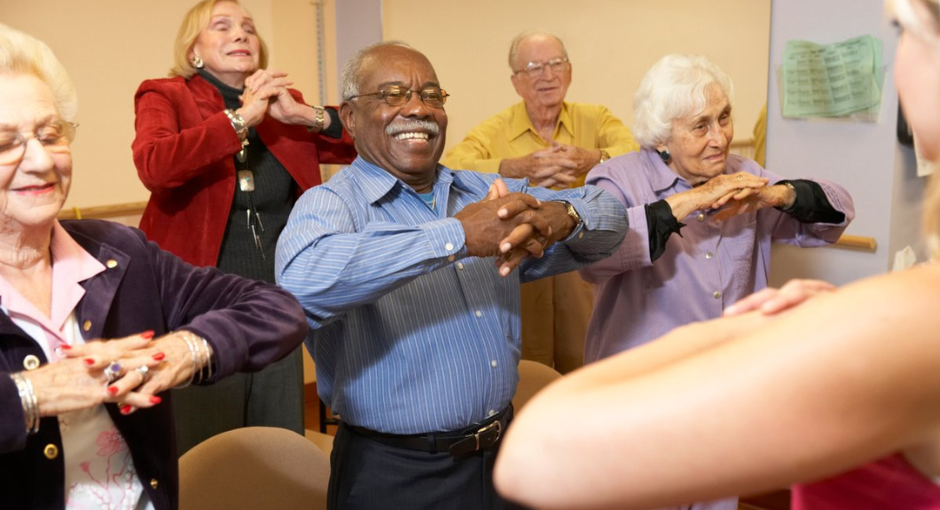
(604, 156)
(572, 213)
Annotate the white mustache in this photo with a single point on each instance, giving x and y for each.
(413, 125)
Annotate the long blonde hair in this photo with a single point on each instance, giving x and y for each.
(904, 11)
(196, 20)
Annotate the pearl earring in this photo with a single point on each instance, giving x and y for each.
(197, 62)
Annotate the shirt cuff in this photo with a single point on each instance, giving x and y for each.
(335, 130)
(660, 223)
(446, 238)
(811, 204)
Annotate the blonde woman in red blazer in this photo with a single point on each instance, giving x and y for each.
(225, 148)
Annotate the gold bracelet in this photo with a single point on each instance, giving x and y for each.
(321, 117)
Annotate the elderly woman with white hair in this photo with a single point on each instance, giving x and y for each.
(97, 323)
(726, 209)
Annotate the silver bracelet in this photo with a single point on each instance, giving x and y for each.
(208, 368)
(200, 353)
(28, 399)
(192, 352)
(238, 124)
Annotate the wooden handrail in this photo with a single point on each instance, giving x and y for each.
(137, 208)
(857, 242)
(103, 211)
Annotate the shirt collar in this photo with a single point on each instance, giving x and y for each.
(380, 182)
(522, 123)
(661, 176)
(71, 265)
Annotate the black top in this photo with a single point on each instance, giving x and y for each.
(273, 198)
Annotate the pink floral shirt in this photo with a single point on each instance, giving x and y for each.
(99, 471)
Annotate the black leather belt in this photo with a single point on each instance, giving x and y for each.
(469, 440)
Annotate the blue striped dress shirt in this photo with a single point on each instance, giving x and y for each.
(410, 334)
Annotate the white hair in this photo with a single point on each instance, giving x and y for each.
(23, 54)
(674, 88)
(352, 70)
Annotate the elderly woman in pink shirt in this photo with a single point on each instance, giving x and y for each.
(97, 323)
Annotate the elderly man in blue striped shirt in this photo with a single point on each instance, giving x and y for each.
(407, 272)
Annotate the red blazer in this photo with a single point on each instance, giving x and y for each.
(183, 153)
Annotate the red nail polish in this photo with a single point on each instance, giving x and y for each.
(159, 356)
(65, 347)
(147, 334)
(155, 399)
(112, 390)
(89, 361)
(126, 410)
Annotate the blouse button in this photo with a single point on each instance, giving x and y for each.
(708, 255)
(154, 483)
(716, 294)
(86, 325)
(448, 246)
(51, 451)
(31, 362)
(111, 263)
(700, 217)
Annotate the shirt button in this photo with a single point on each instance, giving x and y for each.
(493, 363)
(708, 255)
(700, 217)
(154, 483)
(451, 258)
(449, 246)
(491, 412)
(479, 313)
(111, 263)
(51, 451)
(580, 235)
(86, 325)
(31, 362)
(716, 294)
(460, 265)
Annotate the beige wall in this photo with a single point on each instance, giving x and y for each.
(611, 44)
(110, 46)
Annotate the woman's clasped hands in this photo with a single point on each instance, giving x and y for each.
(129, 371)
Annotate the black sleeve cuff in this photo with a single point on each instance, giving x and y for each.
(811, 204)
(336, 127)
(661, 223)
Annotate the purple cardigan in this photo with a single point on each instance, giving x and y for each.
(249, 325)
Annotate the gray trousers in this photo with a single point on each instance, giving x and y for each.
(273, 397)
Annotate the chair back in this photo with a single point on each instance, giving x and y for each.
(533, 376)
(254, 467)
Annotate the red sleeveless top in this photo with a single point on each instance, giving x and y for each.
(888, 484)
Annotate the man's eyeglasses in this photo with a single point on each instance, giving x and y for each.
(55, 137)
(535, 68)
(395, 95)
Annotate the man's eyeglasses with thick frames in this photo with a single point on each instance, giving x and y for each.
(535, 68)
(55, 137)
(397, 96)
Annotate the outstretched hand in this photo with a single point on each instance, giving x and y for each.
(771, 301)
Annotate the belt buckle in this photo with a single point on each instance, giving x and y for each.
(486, 430)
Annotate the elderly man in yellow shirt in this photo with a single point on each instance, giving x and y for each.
(553, 143)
